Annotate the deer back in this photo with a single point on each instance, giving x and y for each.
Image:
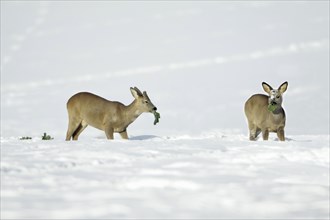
(93, 109)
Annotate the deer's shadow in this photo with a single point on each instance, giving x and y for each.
(143, 137)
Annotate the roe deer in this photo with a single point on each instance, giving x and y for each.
(265, 113)
(88, 109)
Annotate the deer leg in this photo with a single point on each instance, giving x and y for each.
(253, 131)
(78, 131)
(72, 127)
(109, 132)
(265, 134)
(124, 135)
(258, 132)
(280, 134)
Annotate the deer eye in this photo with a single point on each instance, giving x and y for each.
(278, 97)
(146, 102)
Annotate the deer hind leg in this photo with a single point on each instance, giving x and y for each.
(258, 132)
(78, 131)
(280, 134)
(72, 127)
(254, 131)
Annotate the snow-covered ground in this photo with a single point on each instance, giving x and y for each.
(199, 62)
(192, 177)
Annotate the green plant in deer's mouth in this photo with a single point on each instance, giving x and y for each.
(272, 107)
(157, 117)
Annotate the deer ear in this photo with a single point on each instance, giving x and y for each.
(283, 87)
(145, 95)
(266, 87)
(138, 91)
(135, 93)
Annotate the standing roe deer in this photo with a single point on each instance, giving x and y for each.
(265, 113)
(88, 109)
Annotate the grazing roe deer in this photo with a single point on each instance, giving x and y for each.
(265, 113)
(88, 109)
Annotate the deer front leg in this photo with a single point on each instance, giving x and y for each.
(124, 134)
(280, 134)
(109, 132)
(265, 134)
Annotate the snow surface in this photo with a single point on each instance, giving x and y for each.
(199, 61)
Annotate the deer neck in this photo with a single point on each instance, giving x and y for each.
(278, 110)
(132, 112)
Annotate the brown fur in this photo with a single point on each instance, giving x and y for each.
(88, 109)
(260, 119)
